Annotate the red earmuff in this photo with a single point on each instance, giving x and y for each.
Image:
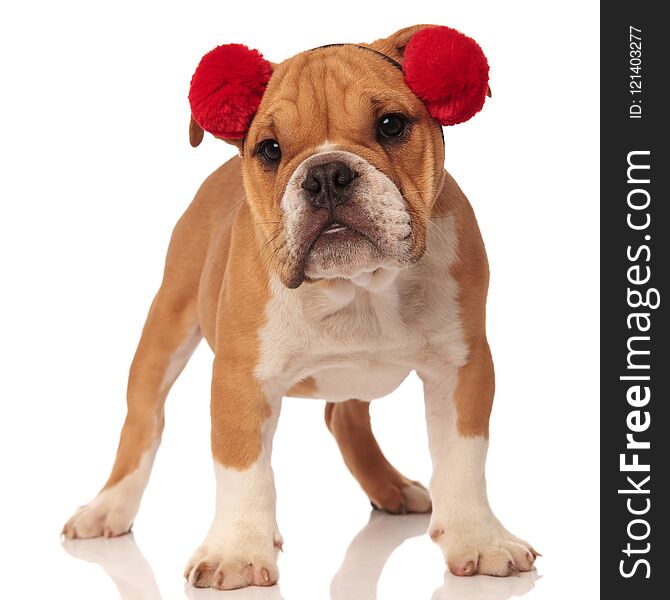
(448, 71)
(227, 88)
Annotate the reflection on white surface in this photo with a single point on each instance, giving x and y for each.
(368, 552)
(122, 560)
(485, 588)
(356, 579)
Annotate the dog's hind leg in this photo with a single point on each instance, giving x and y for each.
(387, 488)
(170, 335)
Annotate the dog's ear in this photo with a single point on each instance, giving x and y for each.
(195, 133)
(395, 44)
(443, 67)
(225, 92)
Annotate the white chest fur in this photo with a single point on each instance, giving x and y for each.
(360, 338)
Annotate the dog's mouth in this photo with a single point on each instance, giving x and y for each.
(334, 227)
(338, 245)
(335, 231)
(326, 240)
(338, 236)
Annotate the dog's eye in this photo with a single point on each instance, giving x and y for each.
(270, 150)
(391, 126)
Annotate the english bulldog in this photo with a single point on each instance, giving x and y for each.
(328, 260)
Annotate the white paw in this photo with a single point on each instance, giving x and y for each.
(231, 561)
(112, 511)
(482, 547)
(109, 514)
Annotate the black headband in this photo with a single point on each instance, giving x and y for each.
(388, 59)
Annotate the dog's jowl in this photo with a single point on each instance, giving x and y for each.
(329, 259)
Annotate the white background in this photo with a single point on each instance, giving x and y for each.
(95, 170)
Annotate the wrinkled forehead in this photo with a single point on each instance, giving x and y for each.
(332, 93)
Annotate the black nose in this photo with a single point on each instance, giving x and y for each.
(327, 185)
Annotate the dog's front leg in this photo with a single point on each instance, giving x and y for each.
(242, 544)
(458, 404)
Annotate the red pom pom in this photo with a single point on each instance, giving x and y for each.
(227, 88)
(448, 71)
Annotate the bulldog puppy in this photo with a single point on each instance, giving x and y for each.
(328, 260)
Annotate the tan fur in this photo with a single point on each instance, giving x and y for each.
(172, 319)
(239, 406)
(475, 388)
